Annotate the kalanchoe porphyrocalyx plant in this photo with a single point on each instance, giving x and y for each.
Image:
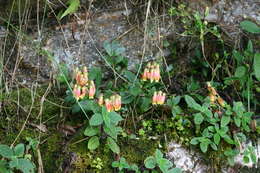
(214, 96)
(111, 104)
(151, 72)
(83, 86)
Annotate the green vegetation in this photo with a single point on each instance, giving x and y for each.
(114, 119)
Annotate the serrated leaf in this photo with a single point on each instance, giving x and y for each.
(91, 131)
(257, 66)
(250, 26)
(73, 7)
(225, 120)
(96, 120)
(19, 150)
(112, 145)
(6, 151)
(150, 162)
(93, 143)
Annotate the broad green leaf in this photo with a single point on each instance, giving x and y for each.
(214, 146)
(112, 145)
(164, 164)
(240, 71)
(216, 138)
(239, 58)
(204, 146)
(115, 117)
(112, 131)
(192, 103)
(250, 26)
(228, 139)
(115, 164)
(106, 118)
(198, 118)
(257, 66)
(96, 120)
(150, 162)
(73, 7)
(6, 151)
(225, 120)
(91, 131)
(158, 154)
(194, 141)
(129, 75)
(93, 143)
(237, 121)
(24, 165)
(19, 150)
(246, 159)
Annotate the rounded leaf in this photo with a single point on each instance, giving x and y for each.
(93, 143)
(150, 162)
(19, 150)
(91, 131)
(96, 120)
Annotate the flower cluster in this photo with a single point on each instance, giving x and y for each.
(112, 104)
(83, 86)
(213, 96)
(158, 98)
(151, 72)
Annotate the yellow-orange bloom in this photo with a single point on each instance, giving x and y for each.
(108, 105)
(117, 102)
(92, 90)
(100, 100)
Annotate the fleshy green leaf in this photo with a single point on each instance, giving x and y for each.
(115, 117)
(23, 165)
(225, 120)
(150, 162)
(91, 131)
(240, 71)
(257, 66)
(164, 164)
(19, 150)
(112, 145)
(216, 138)
(6, 151)
(93, 143)
(198, 118)
(96, 120)
(192, 103)
(250, 26)
(204, 146)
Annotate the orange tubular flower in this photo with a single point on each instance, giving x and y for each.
(145, 74)
(221, 102)
(108, 105)
(154, 100)
(77, 92)
(92, 90)
(84, 91)
(100, 100)
(157, 73)
(117, 102)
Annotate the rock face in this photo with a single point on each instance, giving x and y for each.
(191, 161)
